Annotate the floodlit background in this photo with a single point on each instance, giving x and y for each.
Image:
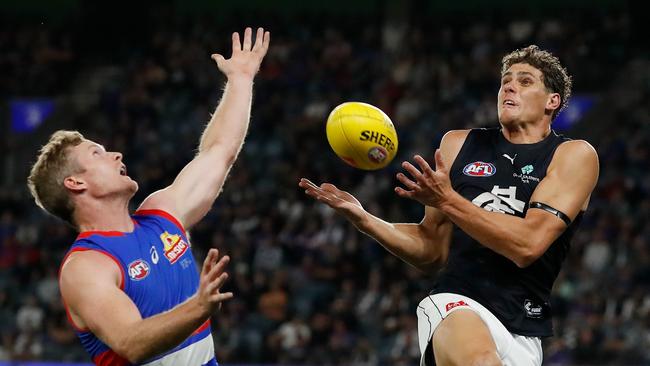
(309, 289)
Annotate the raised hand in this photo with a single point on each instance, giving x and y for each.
(342, 202)
(247, 57)
(427, 186)
(212, 279)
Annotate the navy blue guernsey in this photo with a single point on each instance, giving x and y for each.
(499, 176)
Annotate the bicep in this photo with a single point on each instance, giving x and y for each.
(92, 293)
(570, 179)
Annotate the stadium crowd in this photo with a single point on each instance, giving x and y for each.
(310, 289)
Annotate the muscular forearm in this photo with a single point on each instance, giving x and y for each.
(159, 333)
(229, 123)
(411, 243)
(516, 238)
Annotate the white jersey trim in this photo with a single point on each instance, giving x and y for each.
(198, 353)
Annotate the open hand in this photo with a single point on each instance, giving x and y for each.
(246, 58)
(427, 186)
(212, 279)
(342, 202)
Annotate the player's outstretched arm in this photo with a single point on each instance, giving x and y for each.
(569, 182)
(193, 192)
(424, 245)
(90, 285)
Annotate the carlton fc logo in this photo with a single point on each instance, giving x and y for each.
(175, 246)
(479, 169)
(139, 269)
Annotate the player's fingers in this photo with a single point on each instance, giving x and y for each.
(220, 297)
(329, 187)
(404, 193)
(209, 260)
(259, 39)
(248, 38)
(236, 43)
(306, 183)
(265, 43)
(311, 193)
(218, 59)
(215, 285)
(415, 173)
(407, 182)
(440, 165)
(424, 166)
(325, 199)
(218, 268)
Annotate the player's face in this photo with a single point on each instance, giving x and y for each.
(523, 97)
(103, 172)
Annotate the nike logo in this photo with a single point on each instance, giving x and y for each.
(512, 160)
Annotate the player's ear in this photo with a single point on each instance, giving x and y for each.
(75, 184)
(554, 101)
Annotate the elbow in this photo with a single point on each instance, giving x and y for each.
(428, 267)
(432, 262)
(230, 152)
(230, 157)
(524, 260)
(527, 255)
(225, 152)
(129, 351)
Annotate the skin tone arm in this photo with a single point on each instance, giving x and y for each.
(424, 245)
(90, 285)
(569, 181)
(194, 190)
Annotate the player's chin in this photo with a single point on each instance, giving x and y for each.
(506, 117)
(133, 186)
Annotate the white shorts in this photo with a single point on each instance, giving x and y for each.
(512, 349)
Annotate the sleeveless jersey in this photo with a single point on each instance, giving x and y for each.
(158, 272)
(500, 176)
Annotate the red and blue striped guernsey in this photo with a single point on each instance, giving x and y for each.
(158, 273)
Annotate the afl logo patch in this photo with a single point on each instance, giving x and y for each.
(139, 269)
(377, 154)
(479, 169)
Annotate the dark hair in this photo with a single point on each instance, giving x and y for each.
(554, 75)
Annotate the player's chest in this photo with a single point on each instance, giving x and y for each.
(499, 181)
(158, 258)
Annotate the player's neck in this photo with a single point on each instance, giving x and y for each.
(104, 215)
(526, 133)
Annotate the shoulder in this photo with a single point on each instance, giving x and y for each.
(89, 264)
(451, 144)
(575, 152)
(455, 136)
(578, 147)
(575, 159)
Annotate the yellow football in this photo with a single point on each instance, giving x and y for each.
(362, 135)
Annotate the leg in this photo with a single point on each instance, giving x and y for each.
(462, 338)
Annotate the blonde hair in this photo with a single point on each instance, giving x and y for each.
(52, 166)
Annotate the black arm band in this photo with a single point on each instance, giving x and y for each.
(547, 208)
